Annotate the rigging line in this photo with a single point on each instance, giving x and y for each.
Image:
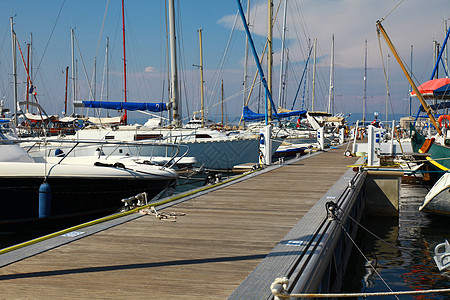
(384, 72)
(360, 251)
(50, 37)
(260, 61)
(221, 64)
(391, 11)
(377, 237)
(101, 30)
(84, 68)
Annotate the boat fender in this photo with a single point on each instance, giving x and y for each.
(45, 200)
(426, 145)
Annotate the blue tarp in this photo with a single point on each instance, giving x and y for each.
(154, 107)
(252, 116)
(442, 92)
(436, 107)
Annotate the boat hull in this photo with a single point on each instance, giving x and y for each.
(439, 205)
(437, 201)
(72, 198)
(438, 161)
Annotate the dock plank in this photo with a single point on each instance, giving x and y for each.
(205, 254)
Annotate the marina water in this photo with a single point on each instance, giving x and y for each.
(408, 264)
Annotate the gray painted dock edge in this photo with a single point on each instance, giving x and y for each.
(294, 249)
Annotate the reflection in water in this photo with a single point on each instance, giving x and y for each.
(410, 264)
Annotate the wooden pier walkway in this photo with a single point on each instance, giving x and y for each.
(205, 254)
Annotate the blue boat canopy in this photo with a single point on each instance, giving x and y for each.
(249, 115)
(440, 105)
(154, 107)
(442, 92)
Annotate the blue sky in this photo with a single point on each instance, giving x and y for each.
(414, 22)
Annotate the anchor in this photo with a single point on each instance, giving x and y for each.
(442, 255)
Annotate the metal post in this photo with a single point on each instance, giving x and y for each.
(391, 150)
(355, 135)
(370, 145)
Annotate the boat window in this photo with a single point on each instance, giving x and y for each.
(202, 136)
(109, 137)
(139, 137)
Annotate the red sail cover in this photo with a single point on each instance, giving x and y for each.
(427, 88)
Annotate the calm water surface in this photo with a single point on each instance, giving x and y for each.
(410, 264)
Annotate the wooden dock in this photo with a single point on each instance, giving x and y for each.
(205, 254)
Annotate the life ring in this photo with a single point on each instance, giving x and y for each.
(441, 118)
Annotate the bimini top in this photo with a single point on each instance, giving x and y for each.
(154, 107)
(249, 115)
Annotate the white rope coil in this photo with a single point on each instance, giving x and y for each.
(165, 216)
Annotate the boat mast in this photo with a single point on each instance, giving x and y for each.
(445, 55)
(411, 82)
(202, 103)
(28, 80)
(74, 89)
(222, 104)
(107, 70)
(246, 58)
(281, 89)
(387, 88)
(124, 63)
(173, 66)
(331, 91)
(365, 81)
(65, 92)
(269, 57)
(314, 74)
(410, 89)
(14, 65)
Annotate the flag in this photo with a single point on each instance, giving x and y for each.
(32, 91)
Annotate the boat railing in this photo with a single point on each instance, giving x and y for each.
(175, 153)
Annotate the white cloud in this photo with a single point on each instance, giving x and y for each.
(352, 21)
(150, 70)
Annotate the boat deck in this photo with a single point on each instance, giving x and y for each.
(205, 254)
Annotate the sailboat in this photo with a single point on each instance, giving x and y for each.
(437, 147)
(437, 201)
(212, 149)
(38, 192)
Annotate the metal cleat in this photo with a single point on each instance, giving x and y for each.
(442, 255)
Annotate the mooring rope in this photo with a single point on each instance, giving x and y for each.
(331, 209)
(279, 291)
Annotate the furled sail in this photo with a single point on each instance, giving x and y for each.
(249, 115)
(154, 107)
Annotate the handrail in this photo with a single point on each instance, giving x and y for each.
(170, 163)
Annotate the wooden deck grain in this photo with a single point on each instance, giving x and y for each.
(205, 254)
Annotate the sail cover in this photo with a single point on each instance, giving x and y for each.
(154, 107)
(432, 88)
(249, 115)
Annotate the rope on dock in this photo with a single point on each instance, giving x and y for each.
(118, 215)
(164, 216)
(280, 285)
